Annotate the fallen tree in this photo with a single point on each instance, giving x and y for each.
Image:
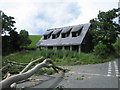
(24, 74)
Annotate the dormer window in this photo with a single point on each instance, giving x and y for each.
(76, 31)
(53, 36)
(47, 34)
(63, 35)
(45, 37)
(56, 33)
(74, 34)
(65, 32)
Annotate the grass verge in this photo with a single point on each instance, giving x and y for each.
(59, 57)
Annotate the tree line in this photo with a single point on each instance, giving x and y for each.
(13, 41)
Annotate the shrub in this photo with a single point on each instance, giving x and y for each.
(117, 46)
(102, 50)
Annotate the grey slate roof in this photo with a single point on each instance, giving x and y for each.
(48, 32)
(57, 31)
(77, 28)
(66, 29)
(68, 40)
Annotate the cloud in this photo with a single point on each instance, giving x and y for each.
(38, 15)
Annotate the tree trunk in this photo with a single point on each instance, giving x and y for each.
(14, 79)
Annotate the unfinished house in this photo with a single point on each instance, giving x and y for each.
(70, 38)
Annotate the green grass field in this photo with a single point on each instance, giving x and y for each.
(35, 39)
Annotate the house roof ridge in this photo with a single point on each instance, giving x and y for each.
(66, 26)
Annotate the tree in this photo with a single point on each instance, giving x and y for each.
(117, 45)
(9, 43)
(24, 39)
(104, 28)
(7, 23)
(101, 50)
(14, 40)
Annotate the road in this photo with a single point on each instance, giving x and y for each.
(82, 76)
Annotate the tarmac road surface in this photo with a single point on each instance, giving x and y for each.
(105, 75)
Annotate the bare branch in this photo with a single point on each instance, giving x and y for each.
(31, 63)
(27, 67)
(15, 78)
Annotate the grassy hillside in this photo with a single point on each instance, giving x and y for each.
(35, 39)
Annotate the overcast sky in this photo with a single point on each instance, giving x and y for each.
(38, 15)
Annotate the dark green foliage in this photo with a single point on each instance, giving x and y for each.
(104, 28)
(10, 43)
(102, 50)
(7, 23)
(24, 39)
(14, 41)
(5, 43)
(117, 45)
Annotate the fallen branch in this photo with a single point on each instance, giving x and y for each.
(31, 63)
(27, 67)
(15, 78)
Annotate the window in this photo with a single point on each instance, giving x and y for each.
(63, 35)
(45, 37)
(53, 36)
(50, 47)
(74, 34)
(49, 36)
(77, 33)
(58, 34)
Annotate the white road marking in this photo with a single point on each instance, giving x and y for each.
(116, 69)
(108, 73)
(109, 69)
